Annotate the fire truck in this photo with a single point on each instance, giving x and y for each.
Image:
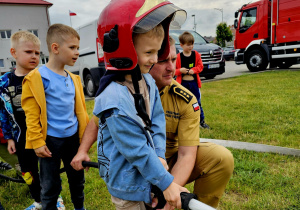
(268, 32)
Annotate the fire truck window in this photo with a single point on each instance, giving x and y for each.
(248, 18)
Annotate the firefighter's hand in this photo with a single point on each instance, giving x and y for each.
(172, 194)
(164, 163)
(11, 147)
(76, 163)
(43, 152)
(184, 70)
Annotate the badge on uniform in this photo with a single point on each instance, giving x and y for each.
(196, 107)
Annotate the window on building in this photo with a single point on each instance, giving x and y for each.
(5, 34)
(34, 31)
(1, 63)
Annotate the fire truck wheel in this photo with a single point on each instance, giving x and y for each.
(90, 87)
(256, 60)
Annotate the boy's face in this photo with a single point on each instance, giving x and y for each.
(187, 48)
(67, 51)
(147, 48)
(27, 55)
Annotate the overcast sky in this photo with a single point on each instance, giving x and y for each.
(206, 17)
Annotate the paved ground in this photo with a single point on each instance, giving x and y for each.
(254, 147)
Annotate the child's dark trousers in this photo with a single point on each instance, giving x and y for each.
(62, 149)
(193, 87)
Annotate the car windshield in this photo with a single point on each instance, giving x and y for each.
(198, 38)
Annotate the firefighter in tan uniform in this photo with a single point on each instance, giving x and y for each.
(180, 107)
(209, 165)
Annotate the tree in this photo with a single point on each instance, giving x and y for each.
(223, 34)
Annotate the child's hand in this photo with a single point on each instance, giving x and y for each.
(191, 71)
(172, 194)
(76, 163)
(168, 207)
(184, 71)
(11, 147)
(164, 163)
(43, 152)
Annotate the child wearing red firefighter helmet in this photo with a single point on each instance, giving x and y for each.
(131, 137)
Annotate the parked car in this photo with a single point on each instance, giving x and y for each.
(229, 52)
(211, 54)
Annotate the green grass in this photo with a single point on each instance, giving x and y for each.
(259, 108)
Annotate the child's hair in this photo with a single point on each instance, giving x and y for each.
(186, 38)
(157, 32)
(59, 33)
(171, 40)
(26, 36)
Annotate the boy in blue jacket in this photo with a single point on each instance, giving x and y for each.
(131, 136)
(25, 48)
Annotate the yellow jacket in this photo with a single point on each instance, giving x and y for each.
(34, 104)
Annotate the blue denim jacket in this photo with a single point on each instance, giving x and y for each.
(10, 128)
(127, 153)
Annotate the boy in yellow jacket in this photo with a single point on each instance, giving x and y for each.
(56, 116)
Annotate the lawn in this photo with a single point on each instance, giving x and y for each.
(258, 108)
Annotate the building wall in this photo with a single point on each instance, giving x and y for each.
(22, 17)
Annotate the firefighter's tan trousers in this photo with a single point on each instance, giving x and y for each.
(213, 169)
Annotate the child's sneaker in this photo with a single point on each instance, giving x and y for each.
(60, 203)
(204, 125)
(35, 206)
(5, 166)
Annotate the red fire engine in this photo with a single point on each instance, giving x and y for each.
(268, 31)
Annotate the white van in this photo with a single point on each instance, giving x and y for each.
(89, 66)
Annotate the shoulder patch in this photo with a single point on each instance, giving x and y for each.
(182, 93)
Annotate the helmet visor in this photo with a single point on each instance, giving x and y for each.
(158, 15)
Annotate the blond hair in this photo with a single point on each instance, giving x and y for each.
(58, 33)
(186, 38)
(25, 36)
(171, 40)
(157, 32)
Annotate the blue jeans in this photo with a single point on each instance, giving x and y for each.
(62, 149)
(193, 87)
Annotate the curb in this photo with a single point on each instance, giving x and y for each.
(254, 147)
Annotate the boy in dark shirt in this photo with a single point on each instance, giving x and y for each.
(25, 48)
(188, 67)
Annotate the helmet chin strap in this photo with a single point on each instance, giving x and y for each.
(139, 99)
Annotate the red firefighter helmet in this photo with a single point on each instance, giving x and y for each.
(120, 18)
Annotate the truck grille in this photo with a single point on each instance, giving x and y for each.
(211, 56)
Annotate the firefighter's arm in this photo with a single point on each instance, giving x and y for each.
(188, 141)
(184, 165)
